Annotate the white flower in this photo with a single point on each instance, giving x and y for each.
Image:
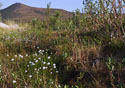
(59, 85)
(35, 69)
(7, 55)
(12, 59)
(48, 63)
(30, 76)
(21, 56)
(44, 68)
(40, 68)
(56, 71)
(54, 66)
(44, 62)
(48, 57)
(32, 63)
(40, 79)
(51, 72)
(42, 50)
(14, 81)
(26, 71)
(27, 65)
(36, 61)
(26, 55)
(39, 58)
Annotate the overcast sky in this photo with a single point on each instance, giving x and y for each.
(69, 5)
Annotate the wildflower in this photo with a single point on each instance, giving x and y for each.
(40, 68)
(71, 58)
(21, 56)
(57, 71)
(35, 69)
(44, 68)
(42, 50)
(39, 58)
(52, 82)
(44, 62)
(14, 81)
(7, 55)
(27, 65)
(40, 79)
(26, 71)
(48, 63)
(32, 63)
(51, 72)
(26, 55)
(54, 66)
(36, 61)
(48, 57)
(30, 76)
(59, 86)
(111, 35)
(12, 59)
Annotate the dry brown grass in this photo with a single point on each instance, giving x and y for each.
(88, 58)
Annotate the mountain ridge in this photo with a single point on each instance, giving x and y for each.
(22, 12)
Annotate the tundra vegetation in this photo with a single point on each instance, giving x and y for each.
(84, 51)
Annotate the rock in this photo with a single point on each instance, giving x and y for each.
(5, 26)
(2, 25)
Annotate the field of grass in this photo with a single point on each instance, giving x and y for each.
(84, 51)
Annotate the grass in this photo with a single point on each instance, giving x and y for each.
(59, 58)
(81, 52)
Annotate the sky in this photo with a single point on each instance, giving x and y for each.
(69, 5)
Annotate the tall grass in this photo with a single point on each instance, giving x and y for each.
(84, 51)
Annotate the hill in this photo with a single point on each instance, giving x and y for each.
(21, 12)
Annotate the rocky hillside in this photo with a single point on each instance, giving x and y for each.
(21, 12)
